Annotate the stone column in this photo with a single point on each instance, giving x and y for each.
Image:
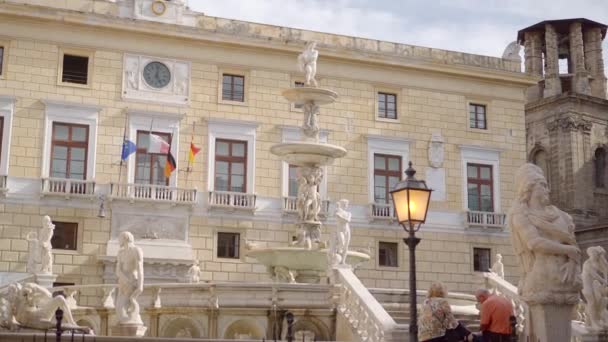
(553, 84)
(580, 82)
(594, 61)
(533, 56)
(548, 322)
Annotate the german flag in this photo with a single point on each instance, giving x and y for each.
(170, 164)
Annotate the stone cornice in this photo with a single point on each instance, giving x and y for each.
(291, 40)
(570, 123)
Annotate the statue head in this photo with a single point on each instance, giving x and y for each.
(125, 238)
(530, 182)
(342, 204)
(47, 222)
(595, 252)
(311, 45)
(498, 257)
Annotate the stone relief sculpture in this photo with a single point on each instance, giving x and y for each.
(543, 240)
(308, 196)
(130, 274)
(498, 268)
(436, 150)
(131, 73)
(311, 120)
(343, 229)
(33, 306)
(595, 288)
(194, 273)
(40, 258)
(307, 62)
(512, 52)
(283, 275)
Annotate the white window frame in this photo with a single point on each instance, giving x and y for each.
(160, 122)
(395, 146)
(3, 70)
(80, 53)
(232, 130)
(486, 156)
(242, 239)
(74, 113)
(7, 108)
(294, 134)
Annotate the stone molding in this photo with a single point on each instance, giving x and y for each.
(570, 123)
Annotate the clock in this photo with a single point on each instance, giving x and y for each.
(157, 75)
(159, 7)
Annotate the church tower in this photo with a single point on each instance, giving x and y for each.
(567, 118)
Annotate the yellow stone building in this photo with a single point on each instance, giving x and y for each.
(78, 74)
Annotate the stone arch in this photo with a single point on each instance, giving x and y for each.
(310, 327)
(540, 157)
(246, 329)
(181, 327)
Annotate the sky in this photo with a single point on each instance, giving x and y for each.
(483, 27)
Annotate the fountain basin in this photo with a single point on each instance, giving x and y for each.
(302, 95)
(306, 153)
(310, 265)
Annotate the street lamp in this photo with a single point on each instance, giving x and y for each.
(411, 200)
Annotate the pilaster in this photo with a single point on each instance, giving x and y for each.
(553, 84)
(533, 57)
(594, 61)
(580, 82)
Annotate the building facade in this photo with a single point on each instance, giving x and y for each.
(80, 77)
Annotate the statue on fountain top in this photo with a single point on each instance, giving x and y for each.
(130, 274)
(544, 242)
(307, 62)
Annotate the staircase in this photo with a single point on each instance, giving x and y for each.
(396, 304)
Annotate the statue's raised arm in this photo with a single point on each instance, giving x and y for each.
(307, 63)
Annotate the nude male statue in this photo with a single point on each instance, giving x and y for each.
(130, 273)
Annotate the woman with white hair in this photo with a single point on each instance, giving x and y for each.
(436, 323)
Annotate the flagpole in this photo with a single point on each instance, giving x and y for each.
(122, 146)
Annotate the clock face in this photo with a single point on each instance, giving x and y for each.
(157, 75)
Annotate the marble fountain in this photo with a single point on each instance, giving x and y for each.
(308, 258)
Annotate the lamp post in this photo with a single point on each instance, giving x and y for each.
(411, 200)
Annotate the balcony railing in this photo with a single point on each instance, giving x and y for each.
(485, 219)
(3, 187)
(382, 211)
(152, 193)
(67, 187)
(232, 200)
(290, 206)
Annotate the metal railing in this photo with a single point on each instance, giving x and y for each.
(485, 219)
(68, 187)
(232, 200)
(382, 211)
(152, 193)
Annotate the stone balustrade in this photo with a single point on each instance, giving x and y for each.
(152, 193)
(232, 200)
(290, 207)
(484, 219)
(503, 288)
(382, 211)
(67, 187)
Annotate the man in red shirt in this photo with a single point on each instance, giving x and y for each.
(495, 313)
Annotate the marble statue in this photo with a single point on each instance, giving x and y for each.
(595, 288)
(283, 275)
(40, 258)
(311, 120)
(543, 240)
(308, 197)
(512, 52)
(498, 268)
(194, 273)
(33, 306)
(307, 62)
(436, 150)
(343, 229)
(130, 274)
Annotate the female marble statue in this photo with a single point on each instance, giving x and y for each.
(595, 288)
(130, 274)
(543, 240)
(343, 229)
(498, 268)
(40, 259)
(307, 62)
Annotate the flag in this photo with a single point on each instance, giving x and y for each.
(156, 144)
(193, 151)
(170, 165)
(128, 147)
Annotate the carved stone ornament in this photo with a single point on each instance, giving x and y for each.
(150, 227)
(436, 150)
(595, 288)
(570, 123)
(512, 52)
(40, 257)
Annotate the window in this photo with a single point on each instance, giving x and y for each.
(293, 181)
(481, 259)
(387, 105)
(600, 168)
(477, 116)
(69, 151)
(230, 165)
(388, 254)
(149, 167)
(298, 84)
(75, 69)
(228, 245)
(65, 236)
(479, 187)
(387, 172)
(1, 59)
(233, 88)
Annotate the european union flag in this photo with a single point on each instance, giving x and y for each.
(128, 147)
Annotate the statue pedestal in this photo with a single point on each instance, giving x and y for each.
(594, 337)
(134, 330)
(551, 322)
(45, 280)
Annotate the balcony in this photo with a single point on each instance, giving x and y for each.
(152, 193)
(290, 206)
(381, 211)
(484, 219)
(232, 200)
(68, 188)
(3, 188)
